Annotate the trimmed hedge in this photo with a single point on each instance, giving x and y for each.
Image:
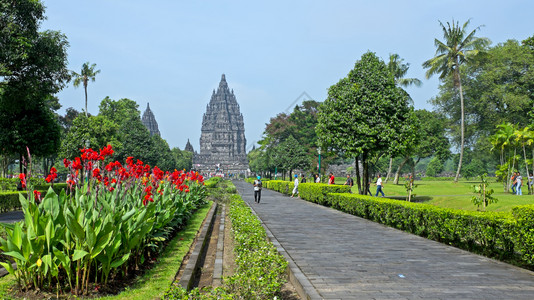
(260, 270)
(9, 201)
(313, 192)
(501, 235)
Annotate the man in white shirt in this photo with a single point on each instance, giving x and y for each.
(296, 188)
(379, 186)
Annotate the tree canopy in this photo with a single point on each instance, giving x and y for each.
(366, 114)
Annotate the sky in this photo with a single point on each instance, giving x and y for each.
(275, 54)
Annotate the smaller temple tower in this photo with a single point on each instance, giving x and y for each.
(189, 147)
(149, 121)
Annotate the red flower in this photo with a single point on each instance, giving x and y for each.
(37, 195)
(22, 178)
(66, 162)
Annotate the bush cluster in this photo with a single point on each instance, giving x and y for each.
(313, 192)
(501, 235)
(9, 200)
(260, 272)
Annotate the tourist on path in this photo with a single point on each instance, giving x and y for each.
(518, 182)
(512, 182)
(379, 186)
(257, 189)
(296, 188)
(331, 179)
(317, 178)
(349, 181)
(303, 180)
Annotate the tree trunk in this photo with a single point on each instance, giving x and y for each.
(358, 177)
(413, 167)
(526, 166)
(365, 172)
(389, 168)
(461, 127)
(85, 86)
(397, 175)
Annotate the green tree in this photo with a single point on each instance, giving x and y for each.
(32, 69)
(165, 159)
(183, 159)
(456, 49)
(89, 132)
(88, 73)
(292, 155)
(398, 69)
(434, 167)
(366, 115)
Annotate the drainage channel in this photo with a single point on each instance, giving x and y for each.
(205, 264)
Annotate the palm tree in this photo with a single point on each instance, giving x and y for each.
(504, 138)
(87, 73)
(450, 55)
(398, 68)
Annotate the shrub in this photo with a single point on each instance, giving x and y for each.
(317, 192)
(490, 233)
(9, 201)
(260, 272)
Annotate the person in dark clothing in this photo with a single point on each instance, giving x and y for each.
(303, 180)
(257, 189)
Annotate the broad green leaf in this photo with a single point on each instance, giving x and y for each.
(117, 263)
(8, 267)
(16, 255)
(79, 254)
(17, 236)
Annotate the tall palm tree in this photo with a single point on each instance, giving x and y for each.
(457, 48)
(398, 68)
(88, 73)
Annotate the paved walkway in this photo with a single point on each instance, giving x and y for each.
(346, 257)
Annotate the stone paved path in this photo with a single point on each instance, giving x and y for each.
(346, 257)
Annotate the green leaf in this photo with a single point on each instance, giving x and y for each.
(117, 263)
(79, 254)
(74, 227)
(16, 255)
(8, 267)
(17, 236)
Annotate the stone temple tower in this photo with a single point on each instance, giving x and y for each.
(222, 139)
(149, 121)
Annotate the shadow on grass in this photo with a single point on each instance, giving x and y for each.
(417, 199)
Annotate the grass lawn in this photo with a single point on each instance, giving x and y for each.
(455, 195)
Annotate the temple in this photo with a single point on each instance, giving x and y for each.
(149, 121)
(222, 139)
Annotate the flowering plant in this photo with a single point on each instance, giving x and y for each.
(110, 219)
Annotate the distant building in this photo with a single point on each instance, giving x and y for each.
(222, 139)
(149, 121)
(189, 147)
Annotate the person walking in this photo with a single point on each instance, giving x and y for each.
(296, 188)
(303, 180)
(349, 182)
(513, 182)
(379, 186)
(518, 183)
(257, 189)
(317, 178)
(331, 179)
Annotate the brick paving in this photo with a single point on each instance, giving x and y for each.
(347, 257)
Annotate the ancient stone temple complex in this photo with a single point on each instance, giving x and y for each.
(222, 139)
(149, 121)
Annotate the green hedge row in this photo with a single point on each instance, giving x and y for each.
(502, 235)
(260, 271)
(10, 184)
(313, 192)
(9, 200)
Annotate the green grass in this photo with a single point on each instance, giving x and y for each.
(157, 280)
(455, 195)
